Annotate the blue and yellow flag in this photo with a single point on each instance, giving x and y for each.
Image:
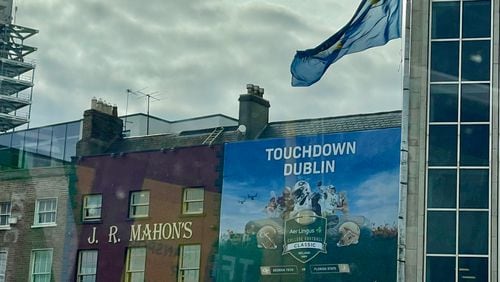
(374, 24)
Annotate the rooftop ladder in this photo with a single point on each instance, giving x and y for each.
(213, 135)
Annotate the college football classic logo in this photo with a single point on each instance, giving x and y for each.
(305, 236)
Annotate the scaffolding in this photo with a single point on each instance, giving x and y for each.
(16, 73)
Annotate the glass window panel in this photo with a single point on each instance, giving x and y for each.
(31, 140)
(476, 60)
(73, 135)
(139, 204)
(193, 200)
(18, 140)
(5, 140)
(472, 269)
(87, 266)
(191, 256)
(44, 141)
(3, 265)
(440, 269)
(140, 197)
(476, 19)
(137, 277)
(442, 188)
(445, 19)
(444, 61)
(140, 210)
(194, 194)
(474, 145)
(475, 104)
(444, 102)
(136, 264)
(473, 233)
(442, 145)
(441, 232)
(474, 188)
(58, 141)
(46, 211)
(92, 207)
(189, 264)
(4, 213)
(41, 265)
(195, 207)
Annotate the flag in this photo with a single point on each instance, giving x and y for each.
(374, 24)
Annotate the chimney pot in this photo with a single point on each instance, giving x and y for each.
(249, 88)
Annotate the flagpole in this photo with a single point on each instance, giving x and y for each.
(403, 186)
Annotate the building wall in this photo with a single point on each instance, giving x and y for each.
(164, 175)
(475, 139)
(22, 188)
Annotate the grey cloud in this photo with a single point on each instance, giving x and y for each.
(198, 55)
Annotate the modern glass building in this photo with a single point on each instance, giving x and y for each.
(54, 145)
(452, 98)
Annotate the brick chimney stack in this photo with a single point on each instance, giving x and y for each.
(254, 111)
(101, 128)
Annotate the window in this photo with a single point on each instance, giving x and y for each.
(41, 265)
(474, 145)
(4, 214)
(475, 103)
(476, 60)
(458, 210)
(92, 207)
(476, 19)
(136, 261)
(444, 62)
(443, 145)
(442, 183)
(441, 226)
(139, 204)
(443, 103)
(45, 211)
(189, 263)
(3, 265)
(445, 19)
(87, 266)
(193, 201)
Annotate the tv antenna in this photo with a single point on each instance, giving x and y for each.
(148, 96)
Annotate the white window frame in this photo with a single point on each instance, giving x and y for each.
(3, 267)
(85, 207)
(186, 202)
(80, 276)
(8, 214)
(36, 223)
(182, 268)
(132, 205)
(32, 264)
(128, 270)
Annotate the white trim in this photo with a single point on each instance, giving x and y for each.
(186, 202)
(32, 263)
(80, 275)
(8, 214)
(458, 123)
(37, 212)
(85, 208)
(132, 205)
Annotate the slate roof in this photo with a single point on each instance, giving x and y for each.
(332, 124)
(278, 129)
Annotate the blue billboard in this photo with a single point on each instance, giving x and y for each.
(311, 208)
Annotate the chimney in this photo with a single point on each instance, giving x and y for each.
(101, 128)
(254, 111)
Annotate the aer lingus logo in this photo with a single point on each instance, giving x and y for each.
(305, 236)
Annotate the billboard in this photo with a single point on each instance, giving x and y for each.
(311, 208)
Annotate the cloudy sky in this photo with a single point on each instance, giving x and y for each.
(197, 56)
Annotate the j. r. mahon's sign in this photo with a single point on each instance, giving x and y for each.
(146, 232)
